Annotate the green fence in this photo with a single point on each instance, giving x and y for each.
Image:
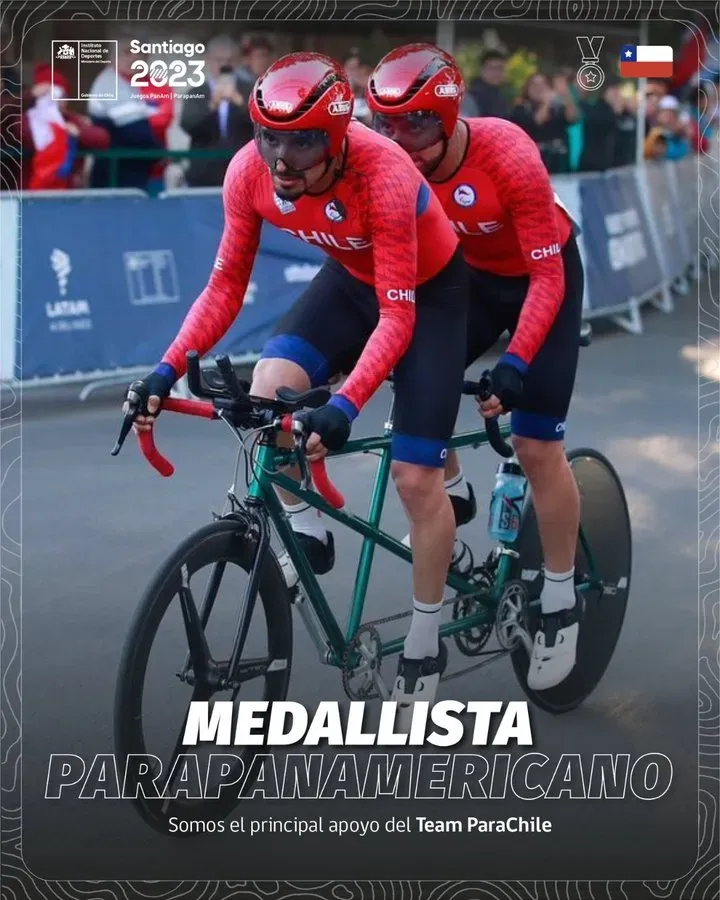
(117, 154)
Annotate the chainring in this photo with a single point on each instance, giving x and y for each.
(472, 641)
(359, 680)
(512, 619)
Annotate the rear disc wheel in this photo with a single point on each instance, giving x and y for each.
(605, 522)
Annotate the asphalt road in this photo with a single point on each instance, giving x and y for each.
(95, 528)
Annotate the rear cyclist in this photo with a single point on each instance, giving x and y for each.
(391, 297)
(526, 277)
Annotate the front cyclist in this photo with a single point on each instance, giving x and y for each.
(526, 277)
(392, 296)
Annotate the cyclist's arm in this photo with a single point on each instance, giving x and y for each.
(524, 188)
(393, 223)
(214, 311)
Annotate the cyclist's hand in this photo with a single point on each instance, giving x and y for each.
(329, 429)
(490, 409)
(146, 396)
(507, 385)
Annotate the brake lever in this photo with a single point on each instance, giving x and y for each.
(300, 442)
(124, 432)
(131, 405)
(485, 386)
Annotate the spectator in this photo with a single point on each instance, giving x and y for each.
(127, 120)
(656, 144)
(52, 136)
(358, 76)
(468, 107)
(14, 165)
(625, 110)
(655, 90)
(544, 114)
(676, 127)
(487, 89)
(161, 101)
(599, 131)
(351, 64)
(258, 54)
(217, 118)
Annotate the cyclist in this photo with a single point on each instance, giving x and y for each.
(526, 277)
(392, 296)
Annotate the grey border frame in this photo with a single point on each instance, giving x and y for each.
(703, 880)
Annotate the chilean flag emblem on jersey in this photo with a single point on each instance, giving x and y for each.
(646, 62)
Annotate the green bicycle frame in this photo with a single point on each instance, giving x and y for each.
(335, 643)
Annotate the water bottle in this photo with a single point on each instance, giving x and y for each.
(507, 502)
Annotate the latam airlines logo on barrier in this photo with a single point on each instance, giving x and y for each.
(66, 315)
(61, 266)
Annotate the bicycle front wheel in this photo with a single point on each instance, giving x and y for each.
(605, 522)
(157, 667)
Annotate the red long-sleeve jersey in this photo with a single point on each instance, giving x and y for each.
(380, 220)
(502, 205)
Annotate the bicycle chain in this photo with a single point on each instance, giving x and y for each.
(371, 629)
(403, 615)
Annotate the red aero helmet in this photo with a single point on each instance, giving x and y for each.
(304, 91)
(417, 78)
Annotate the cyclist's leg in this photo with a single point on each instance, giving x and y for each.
(428, 383)
(538, 428)
(320, 335)
(485, 325)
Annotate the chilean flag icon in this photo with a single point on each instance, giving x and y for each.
(646, 62)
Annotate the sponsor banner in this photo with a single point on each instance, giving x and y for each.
(667, 217)
(9, 233)
(707, 168)
(685, 239)
(567, 195)
(621, 260)
(107, 282)
(687, 173)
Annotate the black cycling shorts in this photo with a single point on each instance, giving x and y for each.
(326, 329)
(495, 305)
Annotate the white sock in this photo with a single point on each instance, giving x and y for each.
(457, 486)
(422, 639)
(558, 591)
(306, 520)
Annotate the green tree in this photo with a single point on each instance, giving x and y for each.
(521, 65)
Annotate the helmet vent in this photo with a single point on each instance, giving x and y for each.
(310, 101)
(432, 68)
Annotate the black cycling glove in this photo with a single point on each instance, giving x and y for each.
(329, 422)
(158, 383)
(507, 384)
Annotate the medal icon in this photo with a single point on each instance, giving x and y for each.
(590, 77)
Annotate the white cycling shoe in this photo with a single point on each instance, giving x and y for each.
(417, 679)
(554, 650)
